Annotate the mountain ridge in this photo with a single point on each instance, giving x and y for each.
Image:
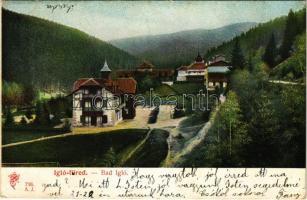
(186, 43)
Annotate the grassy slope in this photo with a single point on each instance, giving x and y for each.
(152, 152)
(77, 150)
(41, 52)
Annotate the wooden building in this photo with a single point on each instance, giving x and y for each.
(212, 73)
(102, 101)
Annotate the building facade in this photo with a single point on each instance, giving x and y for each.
(147, 69)
(102, 101)
(213, 73)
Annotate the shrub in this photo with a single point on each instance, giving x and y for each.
(178, 112)
(23, 121)
(153, 116)
(28, 114)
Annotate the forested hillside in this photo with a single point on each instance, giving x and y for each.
(175, 49)
(262, 123)
(45, 54)
(256, 37)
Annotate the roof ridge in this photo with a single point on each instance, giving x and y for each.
(89, 80)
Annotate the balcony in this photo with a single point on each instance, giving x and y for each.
(91, 109)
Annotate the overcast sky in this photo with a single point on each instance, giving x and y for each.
(113, 20)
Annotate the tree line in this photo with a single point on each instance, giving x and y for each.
(295, 25)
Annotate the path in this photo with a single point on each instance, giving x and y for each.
(36, 140)
(176, 154)
(285, 82)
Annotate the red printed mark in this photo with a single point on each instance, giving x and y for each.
(29, 186)
(14, 178)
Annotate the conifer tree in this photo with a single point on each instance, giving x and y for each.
(270, 53)
(23, 121)
(237, 57)
(110, 158)
(250, 63)
(291, 31)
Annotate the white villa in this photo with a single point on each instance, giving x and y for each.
(100, 101)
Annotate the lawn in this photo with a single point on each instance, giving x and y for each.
(164, 90)
(82, 150)
(187, 88)
(18, 136)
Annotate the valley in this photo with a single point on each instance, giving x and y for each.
(253, 76)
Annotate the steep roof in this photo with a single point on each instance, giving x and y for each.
(197, 66)
(127, 85)
(220, 63)
(105, 67)
(118, 86)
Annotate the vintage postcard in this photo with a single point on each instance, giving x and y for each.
(153, 99)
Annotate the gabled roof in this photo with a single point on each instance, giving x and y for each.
(105, 67)
(193, 66)
(127, 85)
(197, 66)
(118, 86)
(91, 82)
(220, 63)
(182, 68)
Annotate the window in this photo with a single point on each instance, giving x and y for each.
(76, 104)
(86, 91)
(118, 115)
(104, 118)
(99, 92)
(87, 104)
(87, 119)
(99, 120)
(98, 104)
